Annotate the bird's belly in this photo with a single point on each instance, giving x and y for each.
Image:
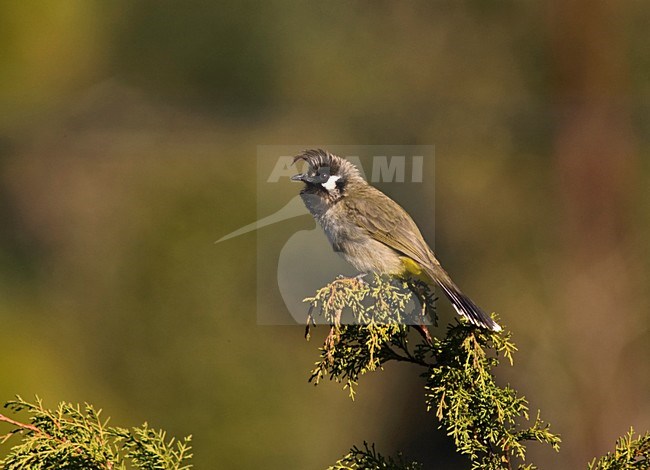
(357, 247)
(370, 256)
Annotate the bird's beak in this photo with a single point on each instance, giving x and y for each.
(299, 177)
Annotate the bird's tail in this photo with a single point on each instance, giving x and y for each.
(463, 304)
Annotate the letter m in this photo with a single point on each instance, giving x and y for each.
(382, 171)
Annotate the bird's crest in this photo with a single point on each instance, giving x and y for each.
(319, 158)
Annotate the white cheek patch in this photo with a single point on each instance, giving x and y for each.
(330, 184)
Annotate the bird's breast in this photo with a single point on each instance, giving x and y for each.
(356, 245)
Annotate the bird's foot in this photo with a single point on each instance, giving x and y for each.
(360, 279)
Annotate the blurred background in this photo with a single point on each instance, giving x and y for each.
(128, 138)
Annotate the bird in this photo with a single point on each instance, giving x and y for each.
(373, 232)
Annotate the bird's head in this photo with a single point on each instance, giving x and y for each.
(326, 174)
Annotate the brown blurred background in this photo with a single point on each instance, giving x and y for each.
(128, 138)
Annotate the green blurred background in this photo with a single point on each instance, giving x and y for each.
(128, 138)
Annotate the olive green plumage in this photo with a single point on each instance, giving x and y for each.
(371, 231)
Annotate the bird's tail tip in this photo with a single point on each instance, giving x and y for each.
(469, 310)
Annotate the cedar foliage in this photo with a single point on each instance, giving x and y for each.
(369, 327)
(489, 423)
(75, 437)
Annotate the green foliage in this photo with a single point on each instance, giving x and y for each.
(72, 437)
(377, 315)
(488, 423)
(368, 457)
(629, 453)
(482, 418)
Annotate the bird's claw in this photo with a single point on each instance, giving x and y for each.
(360, 279)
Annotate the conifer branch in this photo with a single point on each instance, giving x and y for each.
(483, 419)
(74, 437)
(629, 453)
(368, 458)
(486, 422)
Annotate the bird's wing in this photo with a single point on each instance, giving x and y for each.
(388, 223)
